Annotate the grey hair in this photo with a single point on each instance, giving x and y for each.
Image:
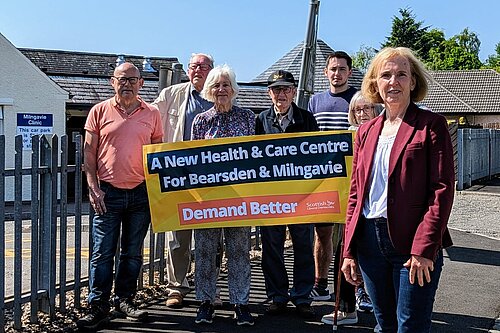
(212, 78)
(357, 97)
(208, 56)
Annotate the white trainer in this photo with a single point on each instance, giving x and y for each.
(343, 318)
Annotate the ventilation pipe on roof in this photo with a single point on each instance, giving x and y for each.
(120, 60)
(165, 78)
(146, 65)
(177, 73)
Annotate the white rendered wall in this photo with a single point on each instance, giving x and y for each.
(31, 91)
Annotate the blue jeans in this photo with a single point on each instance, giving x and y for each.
(128, 209)
(273, 263)
(398, 305)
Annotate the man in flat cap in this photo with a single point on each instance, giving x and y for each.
(284, 116)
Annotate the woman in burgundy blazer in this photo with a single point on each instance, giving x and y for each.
(401, 196)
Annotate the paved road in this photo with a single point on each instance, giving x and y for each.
(468, 299)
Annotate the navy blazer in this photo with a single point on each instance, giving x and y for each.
(420, 183)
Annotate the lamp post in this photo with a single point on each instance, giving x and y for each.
(306, 78)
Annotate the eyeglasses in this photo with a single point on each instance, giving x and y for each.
(279, 89)
(365, 109)
(203, 67)
(123, 79)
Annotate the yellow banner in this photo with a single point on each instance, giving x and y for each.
(248, 181)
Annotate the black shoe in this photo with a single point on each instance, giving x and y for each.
(98, 315)
(205, 313)
(305, 311)
(243, 316)
(276, 308)
(126, 308)
(320, 294)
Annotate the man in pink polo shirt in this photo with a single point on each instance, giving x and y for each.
(116, 130)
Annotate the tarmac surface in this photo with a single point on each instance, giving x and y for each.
(468, 299)
(488, 187)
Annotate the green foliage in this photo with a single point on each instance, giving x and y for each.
(469, 41)
(493, 60)
(362, 58)
(461, 52)
(431, 46)
(431, 39)
(452, 56)
(407, 32)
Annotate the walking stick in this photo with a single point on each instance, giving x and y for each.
(339, 278)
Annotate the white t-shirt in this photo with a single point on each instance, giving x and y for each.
(375, 204)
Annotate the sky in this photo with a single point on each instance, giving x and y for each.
(248, 35)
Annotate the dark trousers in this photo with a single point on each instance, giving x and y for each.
(273, 263)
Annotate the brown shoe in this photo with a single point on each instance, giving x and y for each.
(175, 301)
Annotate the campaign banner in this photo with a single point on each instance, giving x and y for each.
(270, 179)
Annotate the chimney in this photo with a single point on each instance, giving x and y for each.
(120, 60)
(146, 65)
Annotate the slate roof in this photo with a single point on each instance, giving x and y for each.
(87, 91)
(87, 64)
(257, 98)
(254, 98)
(291, 62)
(468, 92)
(85, 76)
(450, 92)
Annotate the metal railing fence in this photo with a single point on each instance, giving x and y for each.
(42, 247)
(46, 242)
(478, 155)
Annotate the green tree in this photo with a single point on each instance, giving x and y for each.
(493, 60)
(408, 32)
(451, 56)
(430, 45)
(469, 41)
(362, 58)
(430, 40)
(461, 52)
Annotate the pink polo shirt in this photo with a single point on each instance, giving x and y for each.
(121, 137)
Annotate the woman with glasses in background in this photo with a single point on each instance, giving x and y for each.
(361, 111)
